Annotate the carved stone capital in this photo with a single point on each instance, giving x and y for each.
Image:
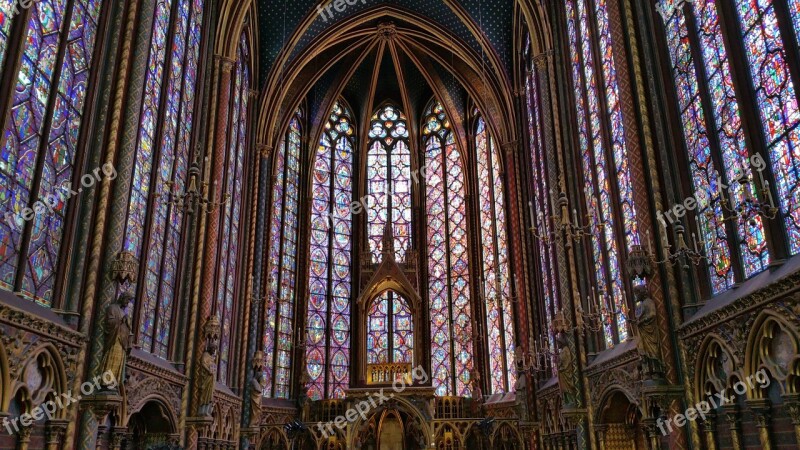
(224, 63)
(731, 416)
(792, 404)
(509, 147)
(540, 60)
(761, 411)
(55, 431)
(24, 435)
(102, 404)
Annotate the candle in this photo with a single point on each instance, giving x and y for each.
(530, 209)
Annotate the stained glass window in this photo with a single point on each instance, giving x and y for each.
(39, 142)
(776, 103)
(389, 181)
(328, 326)
(495, 261)
(540, 206)
(604, 158)
(229, 250)
(448, 260)
(390, 331)
(725, 175)
(282, 264)
(153, 232)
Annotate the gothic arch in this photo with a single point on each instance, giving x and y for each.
(399, 404)
(773, 345)
(712, 359)
(41, 377)
(158, 400)
(491, 91)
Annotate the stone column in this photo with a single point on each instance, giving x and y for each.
(708, 430)
(54, 434)
(761, 414)
(24, 438)
(732, 417)
(600, 432)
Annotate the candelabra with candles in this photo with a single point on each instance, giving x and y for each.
(750, 206)
(682, 253)
(564, 223)
(193, 195)
(539, 353)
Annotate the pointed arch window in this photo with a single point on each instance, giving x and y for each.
(448, 257)
(495, 261)
(154, 227)
(281, 289)
(229, 261)
(540, 204)
(328, 323)
(389, 180)
(607, 186)
(39, 145)
(390, 331)
(720, 146)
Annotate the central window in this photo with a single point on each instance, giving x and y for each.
(390, 333)
(389, 181)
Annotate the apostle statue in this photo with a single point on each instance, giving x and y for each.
(566, 366)
(257, 384)
(117, 341)
(207, 377)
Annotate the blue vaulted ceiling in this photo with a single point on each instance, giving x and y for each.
(278, 20)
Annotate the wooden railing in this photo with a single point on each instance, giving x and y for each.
(388, 373)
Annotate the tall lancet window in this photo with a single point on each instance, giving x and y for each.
(229, 260)
(723, 135)
(154, 227)
(39, 144)
(389, 181)
(448, 257)
(607, 185)
(282, 269)
(495, 261)
(540, 206)
(328, 327)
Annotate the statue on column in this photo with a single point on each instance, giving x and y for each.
(647, 330)
(117, 341)
(257, 384)
(566, 360)
(207, 375)
(303, 399)
(477, 392)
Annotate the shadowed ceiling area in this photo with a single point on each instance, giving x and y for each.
(377, 51)
(291, 26)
